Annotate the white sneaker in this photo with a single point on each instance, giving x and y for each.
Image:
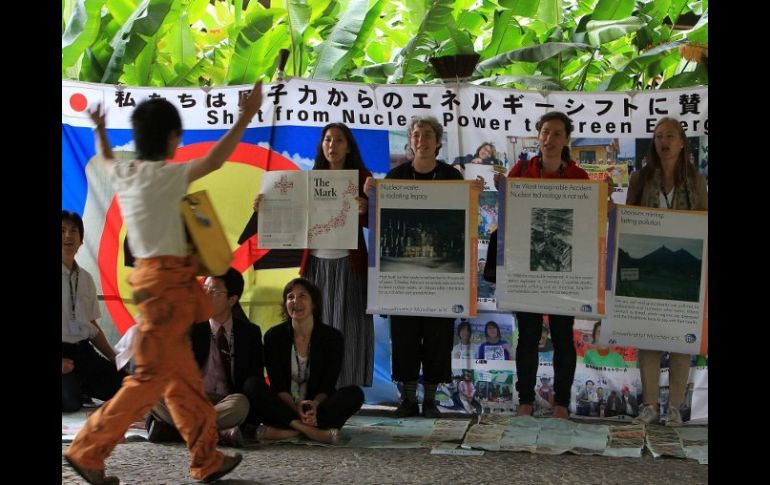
(648, 415)
(673, 418)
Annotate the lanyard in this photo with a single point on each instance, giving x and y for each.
(73, 292)
(435, 171)
(302, 372)
(561, 169)
(665, 196)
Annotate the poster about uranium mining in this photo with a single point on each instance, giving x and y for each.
(659, 281)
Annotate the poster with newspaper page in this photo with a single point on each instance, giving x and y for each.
(314, 209)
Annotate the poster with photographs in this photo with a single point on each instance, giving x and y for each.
(422, 256)
(660, 274)
(551, 259)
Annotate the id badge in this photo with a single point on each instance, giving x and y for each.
(74, 327)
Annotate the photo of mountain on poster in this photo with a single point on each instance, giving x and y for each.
(664, 268)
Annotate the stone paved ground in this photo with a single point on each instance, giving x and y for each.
(151, 463)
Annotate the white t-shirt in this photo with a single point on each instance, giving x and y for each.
(465, 351)
(79, 328)
(149, 194)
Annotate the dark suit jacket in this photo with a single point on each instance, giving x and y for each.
(326, 347)
(247, 350)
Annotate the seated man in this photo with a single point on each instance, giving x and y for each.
(228, 350)
(83, 370)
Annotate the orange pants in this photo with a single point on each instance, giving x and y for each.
(170, 300)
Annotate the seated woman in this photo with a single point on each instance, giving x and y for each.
(303, 357)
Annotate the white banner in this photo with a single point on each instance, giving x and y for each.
(481, 113)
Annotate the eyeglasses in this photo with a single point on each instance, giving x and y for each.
(213, 291)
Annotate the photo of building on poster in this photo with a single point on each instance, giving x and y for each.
(659, 267)
(551, 240)
(422, 240)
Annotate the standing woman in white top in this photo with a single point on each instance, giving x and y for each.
(668, 181)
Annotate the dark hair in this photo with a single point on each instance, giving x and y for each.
(153, 121)
(568, 128)
(485, 144)
(464, 325)
(589, 380)
(683, 169)
(596, 326)
(492, 324)
(315, 297)
(74, 218)
(233, 281)
(353, 160)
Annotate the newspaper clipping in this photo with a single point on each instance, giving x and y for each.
(314, 209)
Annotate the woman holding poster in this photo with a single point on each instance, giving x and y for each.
(669, 181)
(341, 273)
(421, 341)
(552, 161)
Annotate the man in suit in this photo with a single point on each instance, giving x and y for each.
(228, 350)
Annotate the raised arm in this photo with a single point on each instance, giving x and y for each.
(225, 146)
(103, 146)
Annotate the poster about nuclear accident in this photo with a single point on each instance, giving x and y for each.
(552, 256)
(423, 246)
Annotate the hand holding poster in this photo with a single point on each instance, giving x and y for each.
(422, 258)
(658, 292)
(314, 209)
(487, 172)
(553, 249)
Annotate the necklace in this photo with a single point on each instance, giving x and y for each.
(414, 172)
(665, 196)
(561, 169)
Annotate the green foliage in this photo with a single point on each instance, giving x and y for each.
(583, 45)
